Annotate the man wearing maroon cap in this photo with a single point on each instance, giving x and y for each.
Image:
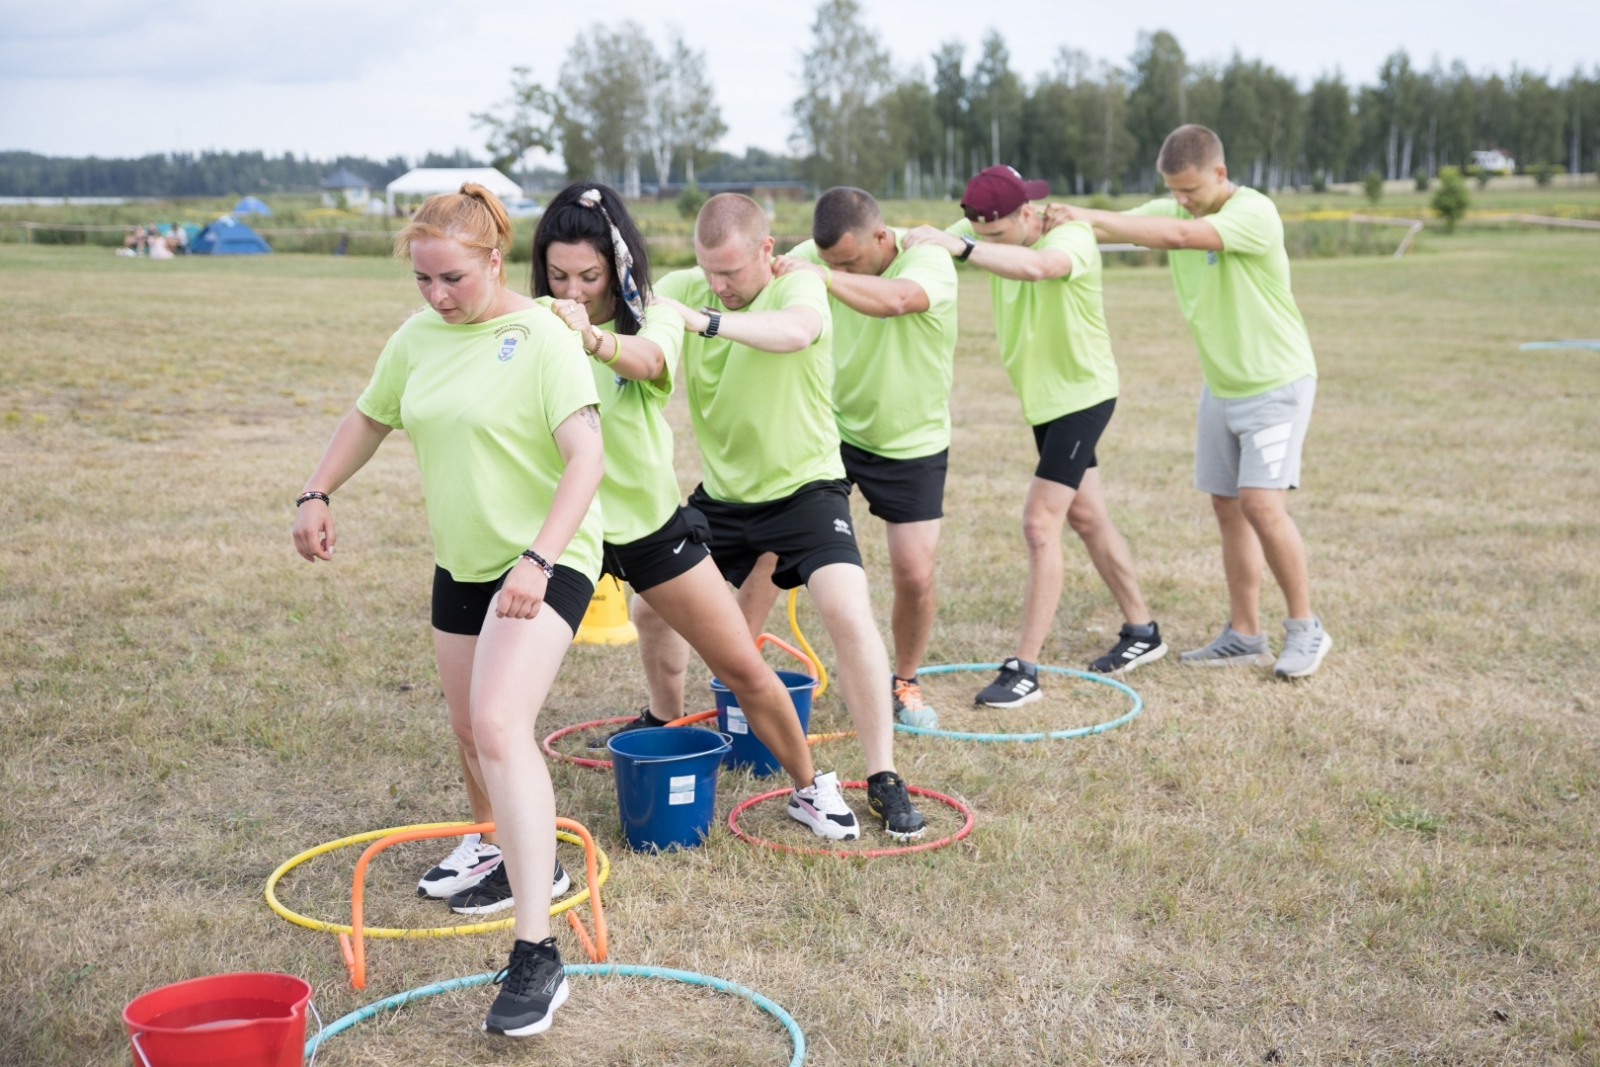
(1051, 327)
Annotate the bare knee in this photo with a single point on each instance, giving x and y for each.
(1086, 521)
(1041, 530)
(914, 582)
(1262, 512)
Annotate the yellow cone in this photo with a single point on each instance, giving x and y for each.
(606, 622)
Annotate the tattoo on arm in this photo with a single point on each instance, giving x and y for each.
(591, 417)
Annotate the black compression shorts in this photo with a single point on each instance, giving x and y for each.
(1066, 445)
(461, 607)
(808, 529)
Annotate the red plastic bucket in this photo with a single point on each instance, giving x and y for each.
(224, 1020)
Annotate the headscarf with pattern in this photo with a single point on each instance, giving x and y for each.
(626, 289)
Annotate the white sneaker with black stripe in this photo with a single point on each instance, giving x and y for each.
(472, 861)
(1015, 686)
(1131, 651)
(821, 806)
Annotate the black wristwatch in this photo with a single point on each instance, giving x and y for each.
(539, 561)
(967, 251)
(713, 325)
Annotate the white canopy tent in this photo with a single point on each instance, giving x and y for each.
(425, 181)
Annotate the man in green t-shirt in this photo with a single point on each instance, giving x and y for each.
(1225, 245)
(758, 366)
(894, 347)
(1051, 328)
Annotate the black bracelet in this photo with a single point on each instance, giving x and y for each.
(539, 561)
(311, 495)
(713, 324)
(967, 251)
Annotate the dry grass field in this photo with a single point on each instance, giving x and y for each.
(1392, 862)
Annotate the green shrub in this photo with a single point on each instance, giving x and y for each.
(1319, 182)
(1101, 202)
(1481, 175)
(1372, 184)
(691, 200)
(1543, 173)
(1450, 201)
(1420, 176)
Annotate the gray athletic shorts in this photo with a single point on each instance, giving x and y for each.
(1252, 442)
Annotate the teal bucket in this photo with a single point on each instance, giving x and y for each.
(746, 749)
(666, 785)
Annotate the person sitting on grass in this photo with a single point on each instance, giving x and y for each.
(1231, 271)
(1051, 325)
(758, 362)
(894, 349)
(497, 398)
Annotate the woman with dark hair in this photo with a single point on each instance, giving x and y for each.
(591, 266)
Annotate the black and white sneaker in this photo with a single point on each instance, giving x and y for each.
(469, 864)
(890, 804)
(494, 892)
(821, 806)
(1016, 685)
(532, 986)
(1131, 651)
(644, 721)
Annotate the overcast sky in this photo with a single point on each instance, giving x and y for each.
(325, 77)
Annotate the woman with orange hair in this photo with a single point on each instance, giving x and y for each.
(497, 397)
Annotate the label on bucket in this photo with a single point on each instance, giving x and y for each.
(680, 789)
(737, 723)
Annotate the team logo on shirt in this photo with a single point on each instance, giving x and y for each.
(1211, 258)
(509, 336)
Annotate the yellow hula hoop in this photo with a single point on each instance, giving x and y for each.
(805, 646)
(433, 931)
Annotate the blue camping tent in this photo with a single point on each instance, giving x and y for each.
(228, 237)
(251, 206)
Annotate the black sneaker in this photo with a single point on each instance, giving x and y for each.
(532, 986)
(1016, 685)
(494, 892)
(889, 802)
(644, 720)
(1130, 652)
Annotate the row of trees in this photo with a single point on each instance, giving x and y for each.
(187, 174)
(1086, 124)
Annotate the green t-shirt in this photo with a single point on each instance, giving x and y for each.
(481, 402)
(891, 377)
(763, 420)
(640, 490)
(1052, 334)
(1238, 301)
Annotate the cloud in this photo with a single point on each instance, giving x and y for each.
(284, 42)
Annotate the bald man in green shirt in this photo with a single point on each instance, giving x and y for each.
(894, 347)
(1225, 247)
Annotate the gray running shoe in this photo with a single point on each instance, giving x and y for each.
(1230, 649)
(1305, 643)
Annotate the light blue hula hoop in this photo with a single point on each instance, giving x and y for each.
(623, 970)
(1053, 735)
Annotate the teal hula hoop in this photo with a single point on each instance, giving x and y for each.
(1053, 735)
(622, 970)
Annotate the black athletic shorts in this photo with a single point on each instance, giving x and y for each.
(1066, 445)
(461, 607)
(808, 529)
(661, 556)
(898, 490)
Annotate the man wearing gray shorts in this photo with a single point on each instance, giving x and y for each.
(1225, 245)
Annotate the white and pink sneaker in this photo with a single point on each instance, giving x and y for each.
(821, 806)
(470, 863)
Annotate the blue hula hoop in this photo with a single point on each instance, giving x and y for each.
(1053, 735)
(623, 970)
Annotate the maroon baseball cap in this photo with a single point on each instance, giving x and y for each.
(995, 192)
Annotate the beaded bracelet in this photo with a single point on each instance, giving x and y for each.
(311, 494)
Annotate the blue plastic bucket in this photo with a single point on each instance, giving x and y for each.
(666, 785)
(747, 749)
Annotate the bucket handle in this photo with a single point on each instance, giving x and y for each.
(318, 1046)
(727, 744)
(134, 1037)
